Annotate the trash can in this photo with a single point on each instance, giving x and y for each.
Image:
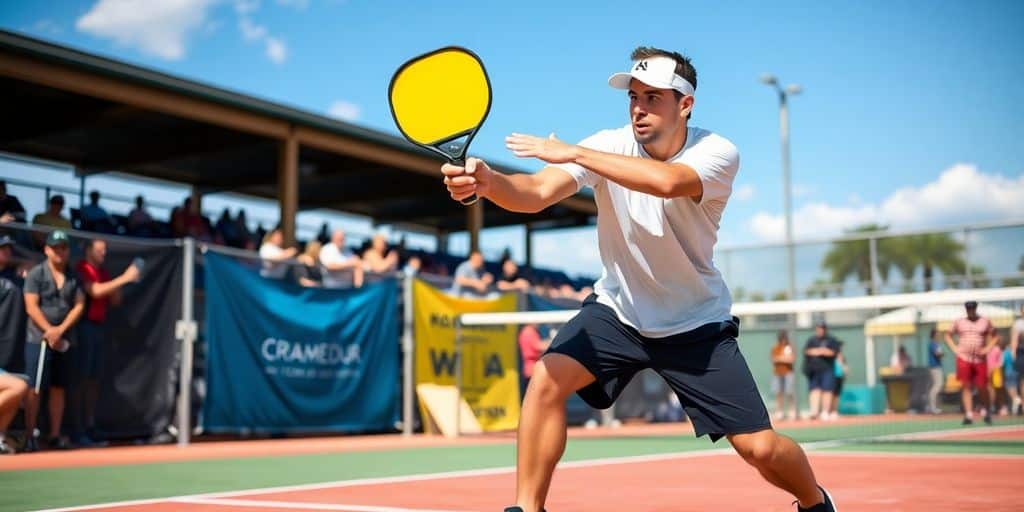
(897, 392)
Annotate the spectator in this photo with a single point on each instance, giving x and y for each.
(900, 360)
(308, 274)
(93, 216)
(377, 258)
(12, 342)
(510, 278)
(1010, 380)
(343, 268)
(54, 302)
(50, 218)
(935, 355)
(11, 209)
(242, 228)
(840, 372)
(186, 220)
(1017, 354)
(225, 229)
(274, 255)
(994, 365)
(783, 378)
(101, 292)
(471, 280)
(976, 336)
(412, 266)
(322, 236)
(139, 217)
(531, 347)
(819, 366)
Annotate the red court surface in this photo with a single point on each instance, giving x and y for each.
(859, 483)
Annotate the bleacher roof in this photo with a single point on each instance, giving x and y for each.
(102, 115)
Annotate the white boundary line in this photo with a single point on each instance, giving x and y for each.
(302, 506)
(607, 461)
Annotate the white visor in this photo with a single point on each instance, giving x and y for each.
(657, 72)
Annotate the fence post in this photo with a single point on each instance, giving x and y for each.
(458, 375)
(407, 347)
(186, 331)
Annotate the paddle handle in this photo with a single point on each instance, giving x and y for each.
(466, 201)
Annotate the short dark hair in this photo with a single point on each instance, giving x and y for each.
(684, 67)
(57, 199)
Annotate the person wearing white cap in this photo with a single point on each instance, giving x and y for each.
(661, 187)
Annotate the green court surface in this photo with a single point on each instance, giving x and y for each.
(49, 488)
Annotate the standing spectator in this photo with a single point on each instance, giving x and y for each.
(93, 216)
(11, 209)
(531, 347)
(819, 366)
(1010, 380)
(54, 302)
(976, 336)
(242, 228)
(510, 278)
(935, 354)
(274, 255)
(308, 274)
(101, 292)
(994, 364)
(12, 342)
(1017, 354)
(783, 377)
(412, 266)
(139, 220)
(343, 268)
(225, 229)
(322, 236)
(471, 280)
(377, 258)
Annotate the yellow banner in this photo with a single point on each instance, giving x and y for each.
(490, 365)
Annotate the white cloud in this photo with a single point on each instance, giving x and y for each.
(961, 194)
(277, 51)
(744, 193)
(246, 6)
(251, 31)
(155, 27)
(344, 110)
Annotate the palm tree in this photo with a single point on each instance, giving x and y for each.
(930, 251)
(853, 258)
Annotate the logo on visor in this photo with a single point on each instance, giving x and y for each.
(641, 66)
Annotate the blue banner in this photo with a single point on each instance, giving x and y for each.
(284, 358)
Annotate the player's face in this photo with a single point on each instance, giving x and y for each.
(653, 112)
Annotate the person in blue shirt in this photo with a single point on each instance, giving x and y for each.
(935, 353)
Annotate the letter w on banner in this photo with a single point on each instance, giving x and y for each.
(490, 369)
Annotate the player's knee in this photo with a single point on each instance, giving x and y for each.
(551, 384)
(757, 449)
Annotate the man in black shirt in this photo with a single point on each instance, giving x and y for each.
(12, 342)
(819, 366)
(11, 209)
(54, 301)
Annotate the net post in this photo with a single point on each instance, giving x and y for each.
(407, 347)
(186, 332)
(458, 374)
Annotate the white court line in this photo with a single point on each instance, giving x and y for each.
(814, 446)
(302, 506)
(913, 455)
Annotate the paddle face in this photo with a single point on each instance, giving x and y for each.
(440, 99)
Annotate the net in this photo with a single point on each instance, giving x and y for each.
(878, 404)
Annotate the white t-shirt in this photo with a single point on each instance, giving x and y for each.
(658, 272)
(271, 268)
(330, 255)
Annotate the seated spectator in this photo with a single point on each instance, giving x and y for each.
(510, 279)
(242, 229)
(308, 274)
(900, 360)
(50, 218)
(471, 280)
(342, 267)
(186, 220)
(139, 220)
(322, 236)
(274, 255)
(11, 209)
(377, 258)
(12, 341)
(93, 216)
(531, 348)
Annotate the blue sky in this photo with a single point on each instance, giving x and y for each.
(910, 117)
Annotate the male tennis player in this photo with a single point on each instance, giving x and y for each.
(660, 188)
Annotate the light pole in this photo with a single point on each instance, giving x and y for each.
(770, 80)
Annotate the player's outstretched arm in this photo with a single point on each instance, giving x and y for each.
(526, 193)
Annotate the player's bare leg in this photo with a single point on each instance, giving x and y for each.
(541, 436)
(781, 462)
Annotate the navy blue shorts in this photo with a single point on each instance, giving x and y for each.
(824, 380)
(87, 353)
(704, 367)
(56, 372)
